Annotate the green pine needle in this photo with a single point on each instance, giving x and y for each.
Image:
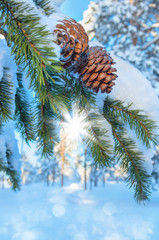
(46, 134)
(6, 92)
(30, 46)
(44, 4)
(24, 116)
(132, 163)
(77, 93)
(11, 173)
(144, 127)
(96, 140)
(126, 151)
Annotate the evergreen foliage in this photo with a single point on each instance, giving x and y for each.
(30, 45)
(126, 151)
(8, 169)
(44, 4)
(75, 92)
(46, 129)
(53, 90)
(6, 92)
(98, 140)
(144, 127)
(24, 117)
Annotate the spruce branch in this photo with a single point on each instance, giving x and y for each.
(3, 32)
(76, 92)
(132, 163)
(97, 140)
(30, 46)
(1, 125)
(46, 131)
(11, 173)
(6, 92)
(45, 5)
(54, 93)
(126, 153)
(24, 117)
(144, 127)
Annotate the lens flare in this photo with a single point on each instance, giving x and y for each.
(75, 125)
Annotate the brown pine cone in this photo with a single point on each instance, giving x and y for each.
(73, 40)
(94, 64)
(98, 73)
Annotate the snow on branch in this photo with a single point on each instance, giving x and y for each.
(156, 39)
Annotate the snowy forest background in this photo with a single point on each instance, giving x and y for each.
(129, 29)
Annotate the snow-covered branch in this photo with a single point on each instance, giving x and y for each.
(156, 39)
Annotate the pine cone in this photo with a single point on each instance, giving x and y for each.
(73, 40)
(98, 73)
(94, 64)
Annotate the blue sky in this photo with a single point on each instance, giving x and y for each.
(74, 8)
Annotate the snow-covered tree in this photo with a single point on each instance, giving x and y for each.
(130, 29)
(155, 172)
(34, 60)
(28, 171)
(48, 171)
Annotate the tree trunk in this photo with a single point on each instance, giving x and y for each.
(103, 181)
(2, 181)
(95, 182)
(53, 176)
(90, 183)
(47, 179)
(62, 159)
(85, 172)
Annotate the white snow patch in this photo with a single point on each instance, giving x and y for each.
(114, 215)
(8, 141)
(57, 3)
(72, 188)
(132, 87)
(87, 201)
(72, 229)
(28, 235)
(139, 232)
(58, 210)
(115, 236)
(109, 208)
(79, 236)
(95, 43)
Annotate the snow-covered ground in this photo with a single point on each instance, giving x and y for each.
(39, 212)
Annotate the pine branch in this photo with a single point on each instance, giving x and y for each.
(30, 46)
(54, 93)
(101, 148)
(45, 4)
(3, 32)
(11, 173)
(132, 163)
(76, 92)
(1, 125)
(144, 127)
(24, 117)
(46, 130)
(156, 39)
(6, 92)
(130, 159)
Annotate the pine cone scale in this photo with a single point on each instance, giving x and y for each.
(99, 68)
